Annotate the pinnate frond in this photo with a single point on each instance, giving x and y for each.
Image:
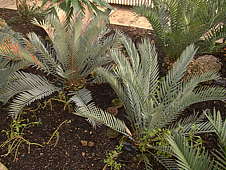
(28, 88)
(91, 112)
(96, 115)
(49, 63)
(188, 157)
(219, 125)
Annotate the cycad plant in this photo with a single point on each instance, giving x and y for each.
(73, 6)
(10, 44)
(73, 53)
(152, 102)
(189, 157)
(219, 126)
(179, 23)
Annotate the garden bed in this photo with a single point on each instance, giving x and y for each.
(66, 150)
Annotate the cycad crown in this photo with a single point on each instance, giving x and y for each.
(150, 101)
(74, 51)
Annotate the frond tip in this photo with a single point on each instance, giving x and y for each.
(102, 117)
(97, 116)
(28, 88)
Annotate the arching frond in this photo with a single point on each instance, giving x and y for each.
(13, 54)
(27, 97)
(188, 157)
(82, 6)
(97, 116)
(152, 103)
(194, 122)
(81, 97)
(219, 125)
(29, 88)
(49, 62)
(85, 108)
(174, 76)
(182, 96)
(81, 46)
(168, 163)
(179, 23)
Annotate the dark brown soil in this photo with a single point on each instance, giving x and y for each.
(67, 152)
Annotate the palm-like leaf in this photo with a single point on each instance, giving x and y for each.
(29, 88)
(188, 157)
(26, 90)
(178, 23)
(85, 108)
(149, 102)
(74, 51)
(74, 6)
(13, 55)
(219, 126)
(79, 48)
(220, 129)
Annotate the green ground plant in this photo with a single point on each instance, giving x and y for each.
(219, 126)
(111, 158)
(179, 23)
(15, 136)
(152, 102)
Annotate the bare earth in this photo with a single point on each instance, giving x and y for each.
(120, 16)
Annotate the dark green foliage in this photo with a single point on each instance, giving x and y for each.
(28, 11)
(179, 23)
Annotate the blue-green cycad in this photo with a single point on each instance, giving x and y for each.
(74, 53)
(79, 47)
(179, 23)
(187, 156)
(10, 61)
(150, 101)
(192, 158)
(219, 126)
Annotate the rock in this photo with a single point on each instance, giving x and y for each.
(87, 143)
(83, 154)
(84, 142)
(3, 167)
(203, 64)
(91, 144)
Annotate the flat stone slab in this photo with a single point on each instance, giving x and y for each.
(126, 17)
(120, 16)
(10, 4)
